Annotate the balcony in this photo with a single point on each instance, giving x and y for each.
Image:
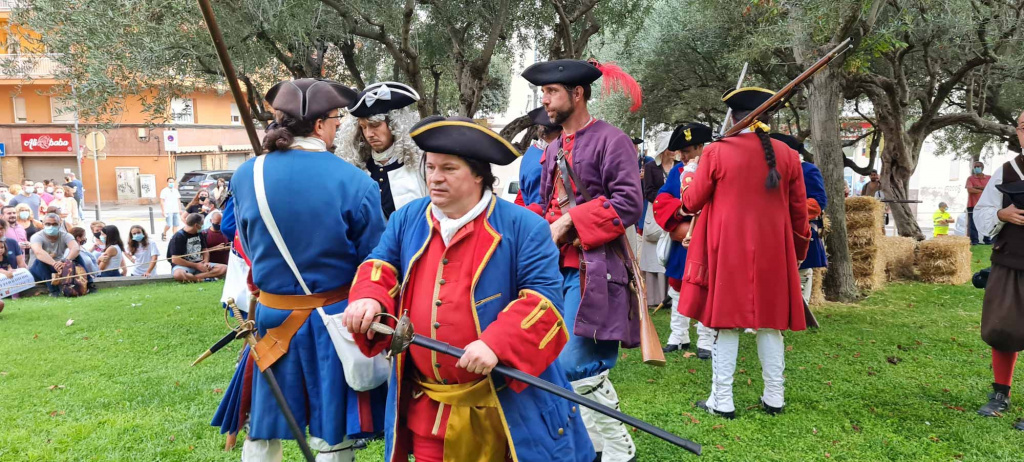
(28, 66)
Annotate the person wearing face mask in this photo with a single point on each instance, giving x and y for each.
(98, 246)
(28, 197)
(15, 254)
(142, 252)
(25, 220)
(219, 193)
(66, 205)
(376, 139)
(305, 283)
(5, 193)
(48, 252)
(89, 261)
(214, 238)
(197, 203)
(170, 207)
(44, 194)
(975, 186)
(112, 261)
(209, 207)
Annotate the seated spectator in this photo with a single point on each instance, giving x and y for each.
(216, 238)
(48, 252)
(97, 246)
(187, 251)
(12, 249)
(208, 210)
(14, 230)
(26, 222)
(942, 219)
(89, 261)
(142, 252)
(112, 261)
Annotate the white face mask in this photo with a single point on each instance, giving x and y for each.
(49, 190)
(29, 190)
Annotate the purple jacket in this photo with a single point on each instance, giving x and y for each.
(604, 158)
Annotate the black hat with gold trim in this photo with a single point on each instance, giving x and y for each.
(460, 136)
(540, 117)
(383, 97)
(690, 134)
(747, 98)
(791, 141)
(306, 98)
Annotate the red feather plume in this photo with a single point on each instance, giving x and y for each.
(616, 79)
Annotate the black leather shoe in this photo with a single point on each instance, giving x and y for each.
(997, 404)
(1019, 425)
(675, 347)
(703, 354)
(771, 410)
(728, 415)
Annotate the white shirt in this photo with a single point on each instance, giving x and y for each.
(143, 256)
(450, 226)
(986, 212)
(171, 200)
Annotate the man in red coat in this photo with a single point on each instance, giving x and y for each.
(741, 268)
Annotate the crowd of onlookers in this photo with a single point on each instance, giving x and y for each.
(44, 233)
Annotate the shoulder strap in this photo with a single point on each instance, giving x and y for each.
(571, 174)
(268, 219)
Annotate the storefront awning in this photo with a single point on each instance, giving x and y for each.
(236, 147)
(193, 149)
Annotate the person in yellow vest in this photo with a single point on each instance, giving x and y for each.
(941, 219)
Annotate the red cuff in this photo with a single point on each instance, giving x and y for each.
(519, 199)
(596, 222)
(528, 335)
(377, 280)
(813, 209)
(373, 347)
(801, 244)
(666, 211)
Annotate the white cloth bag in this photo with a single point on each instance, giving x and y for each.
(361, 373)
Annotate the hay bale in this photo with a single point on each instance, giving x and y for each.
(817, 294)
(899, 253)
(864, 220)
(945, 260)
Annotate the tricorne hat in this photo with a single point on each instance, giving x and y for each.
(690, 134)
(460, 136)
(305, 98)
(575, 72)
(381, 98)
(540, 117)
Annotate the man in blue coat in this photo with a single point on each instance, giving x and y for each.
(480, 274)
(816, 203)
(530, 166)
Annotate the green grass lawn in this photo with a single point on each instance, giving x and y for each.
(116, 385)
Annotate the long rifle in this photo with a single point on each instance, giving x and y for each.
(403, 335)
(788, 89)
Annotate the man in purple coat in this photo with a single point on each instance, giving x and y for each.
(590, 193)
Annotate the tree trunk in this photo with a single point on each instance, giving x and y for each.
(899, 155)
(824, 101)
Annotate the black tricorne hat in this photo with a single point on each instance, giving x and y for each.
(382, 97)
(690, 134)
(305, 98)
(791, 141)
(1015, 190)
(460, 136)
(567, 71)
(540, 117)
(747, 98)
(637, 141)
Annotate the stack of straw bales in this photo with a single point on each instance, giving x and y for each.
(864, 230)
(945, 260)
(899, 255)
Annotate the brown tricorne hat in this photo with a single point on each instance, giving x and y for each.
(305, 98)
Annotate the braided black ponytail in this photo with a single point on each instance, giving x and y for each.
(772, 181)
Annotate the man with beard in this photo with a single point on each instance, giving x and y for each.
(529, 167)
(589, 206)
(376, 139)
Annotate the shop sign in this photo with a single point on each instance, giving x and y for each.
(46, 142)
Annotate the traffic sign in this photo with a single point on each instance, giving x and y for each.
(3, 150)
(171, 140)
(95, 141)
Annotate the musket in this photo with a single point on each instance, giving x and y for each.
(403, 335)
(247, 331)
(788, 89)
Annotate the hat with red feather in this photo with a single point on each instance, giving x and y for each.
(576, 72)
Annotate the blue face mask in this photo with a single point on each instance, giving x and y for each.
(138, 237)
(977, 170)
(51, 230)
(103, 239)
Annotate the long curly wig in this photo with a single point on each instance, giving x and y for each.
(353, 148)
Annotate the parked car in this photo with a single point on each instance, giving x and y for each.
(198, 180)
